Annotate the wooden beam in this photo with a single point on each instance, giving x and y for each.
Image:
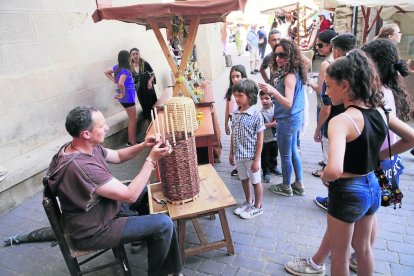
(163, 45)
(375, 20)
(400, 9)
(365, 13)
(188, 48)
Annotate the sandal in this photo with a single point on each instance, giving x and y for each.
(322, 163)
(317, 173)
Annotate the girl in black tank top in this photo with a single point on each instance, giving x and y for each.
(355, 139)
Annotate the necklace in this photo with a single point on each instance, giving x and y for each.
(71, 145)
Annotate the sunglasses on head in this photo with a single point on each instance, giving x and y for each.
(280, 55)
(320, 45)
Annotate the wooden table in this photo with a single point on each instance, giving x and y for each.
(204, 135)
(214, 197)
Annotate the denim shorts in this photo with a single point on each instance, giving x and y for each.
(352, 198)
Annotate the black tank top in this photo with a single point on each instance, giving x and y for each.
(362, 154)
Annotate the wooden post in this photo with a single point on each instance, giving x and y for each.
(298, 24)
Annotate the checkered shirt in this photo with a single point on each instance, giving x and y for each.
(245, 127)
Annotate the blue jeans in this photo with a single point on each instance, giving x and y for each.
(287, 135)
(352, 198)
(159, 233)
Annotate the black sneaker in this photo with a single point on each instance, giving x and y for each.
(234, 172)
(136, 247)
(257, 71)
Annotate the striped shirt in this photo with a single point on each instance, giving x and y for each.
(245, 127)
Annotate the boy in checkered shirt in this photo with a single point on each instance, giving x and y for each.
(246, 146)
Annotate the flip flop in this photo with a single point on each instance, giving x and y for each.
(317, 173)
(322, 163)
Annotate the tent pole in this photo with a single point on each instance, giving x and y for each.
(355, 20)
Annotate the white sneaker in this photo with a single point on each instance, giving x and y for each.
(301, 267)
(251, 212)
(242, 207)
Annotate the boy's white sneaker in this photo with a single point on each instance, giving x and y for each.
(242, 208)
(251, 212)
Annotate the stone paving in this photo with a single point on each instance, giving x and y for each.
(289, 227)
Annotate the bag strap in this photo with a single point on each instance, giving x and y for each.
(387, 115)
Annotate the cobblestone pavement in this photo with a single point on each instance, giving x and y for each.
(289, 227)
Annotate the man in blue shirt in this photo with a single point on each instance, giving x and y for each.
(253, 47)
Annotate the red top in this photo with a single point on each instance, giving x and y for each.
(325, 24)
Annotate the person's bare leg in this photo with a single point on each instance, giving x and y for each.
(362, 242)
(247, 190)
(323, 251)
(258, 195)
(252, 66)
(340, 235)
(132, 124)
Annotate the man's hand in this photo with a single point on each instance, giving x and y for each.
(150, 141)
(160, 150)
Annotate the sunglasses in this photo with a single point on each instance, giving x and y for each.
(281, 55)
(320, 45)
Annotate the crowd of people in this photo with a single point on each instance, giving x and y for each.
(354, 88)
(361, 95)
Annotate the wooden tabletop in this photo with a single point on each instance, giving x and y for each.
(206, 128)
(213, 196)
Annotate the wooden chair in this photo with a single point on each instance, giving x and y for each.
(70, 254)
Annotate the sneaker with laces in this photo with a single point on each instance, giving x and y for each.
(242, 207)
(298, 189)
(266, 178)
(251, 212)
(234, 172)
(302, 266)
(322, 202)
(281, 190)
(353, 264)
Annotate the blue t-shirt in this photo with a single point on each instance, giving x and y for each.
(252, 38)
(129, 85)
(298, 104)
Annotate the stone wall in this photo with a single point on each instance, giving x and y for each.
(52, 58)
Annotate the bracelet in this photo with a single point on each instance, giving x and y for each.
(149, 160)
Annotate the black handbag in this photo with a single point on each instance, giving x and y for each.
(390, 191)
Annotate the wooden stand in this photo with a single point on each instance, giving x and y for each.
(195, 21)
(214, 198)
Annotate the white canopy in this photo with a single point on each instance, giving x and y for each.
(266, 6)
(391, 10)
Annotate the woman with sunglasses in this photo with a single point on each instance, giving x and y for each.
(289, 100)
(324, 48)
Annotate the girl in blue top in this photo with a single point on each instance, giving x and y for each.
(289, 100)
(121, 75)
